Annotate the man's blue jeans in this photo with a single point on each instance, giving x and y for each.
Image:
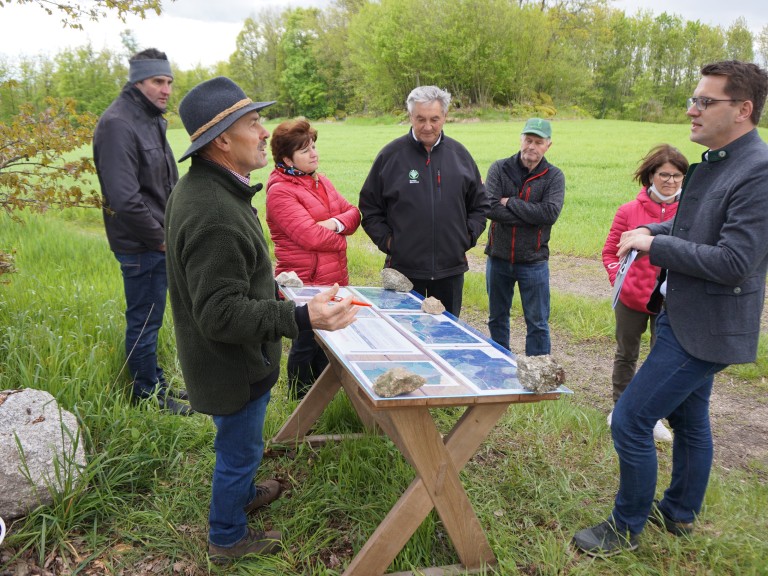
(239, 446)
(670, 384)
(533, 281)
(146, 286)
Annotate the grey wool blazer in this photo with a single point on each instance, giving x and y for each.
(716, 253)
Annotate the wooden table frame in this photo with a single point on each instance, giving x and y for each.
(437, 461)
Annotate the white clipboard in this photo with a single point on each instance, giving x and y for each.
(624, 265)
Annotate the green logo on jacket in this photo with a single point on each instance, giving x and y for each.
(413, 176)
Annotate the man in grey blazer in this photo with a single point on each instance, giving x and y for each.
(713, 256)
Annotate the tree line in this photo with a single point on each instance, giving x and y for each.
(543, 57)
(570, 58)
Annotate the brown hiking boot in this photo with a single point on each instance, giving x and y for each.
(266, 492)
(254, 542)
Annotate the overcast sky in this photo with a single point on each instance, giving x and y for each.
(204, 31)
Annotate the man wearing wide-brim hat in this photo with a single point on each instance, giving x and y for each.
(228, 320)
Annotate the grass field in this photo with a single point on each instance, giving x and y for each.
(546, 471)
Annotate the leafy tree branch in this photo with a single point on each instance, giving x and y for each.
(73, 13)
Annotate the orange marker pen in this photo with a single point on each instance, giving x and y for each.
(354, 302)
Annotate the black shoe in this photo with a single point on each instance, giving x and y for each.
(168, 404)
(266, 492)
(178, 393)
(659, 518)
(604, 540)
(254, 542)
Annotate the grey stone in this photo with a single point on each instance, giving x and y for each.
(432, 305)
(396, 381)
(539, 373)
(46, 434)
(391, 279)
(290, 279)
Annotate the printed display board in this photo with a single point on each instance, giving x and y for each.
(455, 359)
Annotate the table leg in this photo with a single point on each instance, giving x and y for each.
(356, 397)
(437, 462)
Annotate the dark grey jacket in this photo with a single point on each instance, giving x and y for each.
(137, 171)
(520, 231)
(716, 253)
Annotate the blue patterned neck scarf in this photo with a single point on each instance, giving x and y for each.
(292, 170)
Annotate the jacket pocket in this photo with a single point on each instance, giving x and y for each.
(265, 356)
(750, 285)
(313, 271)
(735, 309)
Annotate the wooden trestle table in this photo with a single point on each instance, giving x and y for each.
(407, 420)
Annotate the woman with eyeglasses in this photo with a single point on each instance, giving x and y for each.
(309, 221)
(660, 175)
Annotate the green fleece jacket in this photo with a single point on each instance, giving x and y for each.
(228, 322)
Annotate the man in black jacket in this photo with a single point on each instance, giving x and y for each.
(424, 202)
(526, 194)
(137, 172)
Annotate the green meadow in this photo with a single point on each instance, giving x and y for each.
(546, 471)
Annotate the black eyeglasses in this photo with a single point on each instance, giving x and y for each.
(702, 102)
(666, 176)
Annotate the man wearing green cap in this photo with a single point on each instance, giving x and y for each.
(526, 194)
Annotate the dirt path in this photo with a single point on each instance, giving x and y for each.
(739, 408)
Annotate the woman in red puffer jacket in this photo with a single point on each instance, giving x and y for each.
(661, 175)
(309, 222)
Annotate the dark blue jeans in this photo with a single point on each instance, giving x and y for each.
(670, 384)
(239, 446)
(146, 286)
(533, 282)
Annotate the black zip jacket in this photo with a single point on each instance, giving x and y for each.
(137, 172)
(520, 230)
(431, 205)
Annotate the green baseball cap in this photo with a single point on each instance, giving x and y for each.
(539, 127)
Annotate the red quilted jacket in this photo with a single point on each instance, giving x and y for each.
(294, 206)
(641, 279)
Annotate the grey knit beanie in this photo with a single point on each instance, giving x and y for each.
(142, 69)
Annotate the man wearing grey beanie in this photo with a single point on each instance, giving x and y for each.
(137, 172)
